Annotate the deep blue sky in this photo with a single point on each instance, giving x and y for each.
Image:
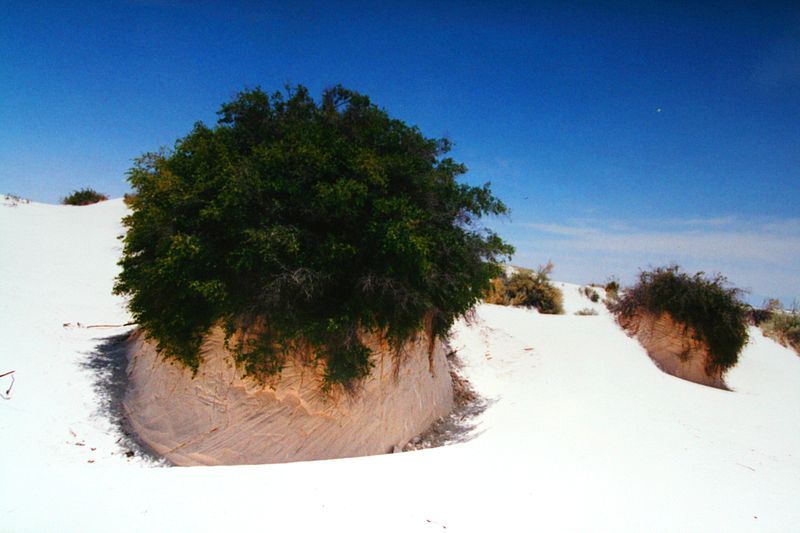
(674, 128)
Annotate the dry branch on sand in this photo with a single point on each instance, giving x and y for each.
(7, 394)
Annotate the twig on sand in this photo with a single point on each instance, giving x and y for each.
(747, 467)
(7, 395)
(110, 325)
(89, 326)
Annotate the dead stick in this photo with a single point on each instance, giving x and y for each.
(110, 325)
(7, 395)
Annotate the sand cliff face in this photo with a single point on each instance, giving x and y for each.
(674, 348)
(218, 417)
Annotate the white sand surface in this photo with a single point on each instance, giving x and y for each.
(582, 431)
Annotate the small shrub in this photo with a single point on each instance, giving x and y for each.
(711, 309)
(772, 304)
(497, 291)
(129, 198)
(590, 293)
(528, 288)
(13, 200)
(586, 312)
(758, 316)
(612, 290)
(784, 327)
(84, 197)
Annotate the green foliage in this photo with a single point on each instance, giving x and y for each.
(711, 309)
(784, 327)
(84, 197)
(298, 225)
(527, 288)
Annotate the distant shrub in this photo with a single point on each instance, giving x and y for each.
(769, 308)
(129, 198)
(586, 312)
(612, 289)
(772, 304)
(784, 327)
(528, 288)
(711, 309)
(590, 293)
(14, 200)
(84, 197)
(496, 294)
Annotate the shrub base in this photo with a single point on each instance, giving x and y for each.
(673, 348)
(220, 417)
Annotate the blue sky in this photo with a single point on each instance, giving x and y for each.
(622, 135)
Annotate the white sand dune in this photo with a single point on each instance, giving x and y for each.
(582, 431)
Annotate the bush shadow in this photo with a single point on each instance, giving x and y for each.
(108, 365)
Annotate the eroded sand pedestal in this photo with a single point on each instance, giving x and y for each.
(217, 417)
(674, 348)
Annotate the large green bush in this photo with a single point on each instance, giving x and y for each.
(527, 288)
(302, 224)
(707, 305)
(84, 197)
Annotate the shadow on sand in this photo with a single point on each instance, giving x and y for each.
(108, 364)
(461, 424)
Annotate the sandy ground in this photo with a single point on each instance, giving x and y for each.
(580, 432)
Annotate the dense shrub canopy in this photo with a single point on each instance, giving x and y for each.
(302, 224)
(708, 306)
(527, 288)
(84, 197)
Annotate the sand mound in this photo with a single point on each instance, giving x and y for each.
(218, 417)
(674, 348)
